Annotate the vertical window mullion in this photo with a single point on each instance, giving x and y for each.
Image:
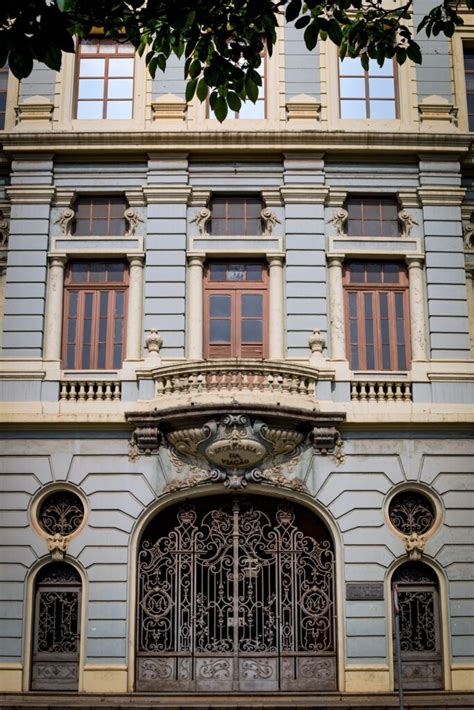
(361, 329)
(236, 324)
(377, 307)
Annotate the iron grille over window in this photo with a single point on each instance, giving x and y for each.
(61, 512)
(235, 310)
(469, 76)
(3, 94)
(236, 215)
(105, 79)
(99, 216)
(376, 303)
(372, 217)
(411, 512)
(367, 94)
(94, 314)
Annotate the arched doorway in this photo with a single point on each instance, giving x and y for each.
(236, 594)
(56, 629)
(420, 628)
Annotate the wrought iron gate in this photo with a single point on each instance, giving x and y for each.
(56, 628)
(236, 596)
(420, 639)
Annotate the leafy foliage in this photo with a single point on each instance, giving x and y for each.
(222, 40)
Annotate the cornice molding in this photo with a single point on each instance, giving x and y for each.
(304, 193)
(166, 193)
(31, 194)
(441, 195)
(232, 141)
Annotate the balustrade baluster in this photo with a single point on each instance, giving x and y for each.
(63, 393)
(82, 392)
(116, 390)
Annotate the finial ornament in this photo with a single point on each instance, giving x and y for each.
(65, 220)
(316, 343)
(132, 219)
(202, 217)
(269, 220)
(153, 343)
(407, 222)
(339, 220)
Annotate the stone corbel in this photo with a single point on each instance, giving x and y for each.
(65, 221)
(468, 231)
(303, 108)
(132, 219)
(437, 112)
(4, 230)
(316, 343)
(269, 220)
(414, 545)
(35, 110)
(147, 439)
(168, 107)
(202, 218)
(406, 222)
(324, 439)
(339, 220)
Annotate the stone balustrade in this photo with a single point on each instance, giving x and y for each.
(227, 377)
(83, 391)
(381, 391)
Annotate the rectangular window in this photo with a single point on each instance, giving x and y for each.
(377, 326)
(95, 307)
(105, 79)
(3, 94)
(99, 216)
(372, 217)
(236, 215)
(250, 110)
(235, 317)
(367, 94)
(469, 76)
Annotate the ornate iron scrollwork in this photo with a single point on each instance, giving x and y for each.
(61, 513)
(411, 512)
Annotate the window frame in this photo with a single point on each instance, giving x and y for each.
(233, 288)
(91, 219)
(105, 100)
(230, 196)
(367, 99)
(96, 288)
(468, 45)
(363, 198)
(3, 113)
(374, 289)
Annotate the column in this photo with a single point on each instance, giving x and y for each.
(275, 307)
(54, 313)
(417, 308)
(337, 338)
(195, 306)
(135, 307)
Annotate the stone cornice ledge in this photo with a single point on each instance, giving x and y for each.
(228, 141)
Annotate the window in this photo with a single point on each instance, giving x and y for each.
(236, 215)
(105, 79)
(372, 217)
(367, 94)
(95, 308)
(99, 216)
(249, 109)
(235, 317)
(469, 76)
(3, 94)
(376, 303)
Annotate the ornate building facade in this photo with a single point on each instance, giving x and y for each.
(237, 379)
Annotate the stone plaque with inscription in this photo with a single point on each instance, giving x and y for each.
(364, 591)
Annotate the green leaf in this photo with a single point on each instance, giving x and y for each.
(414, 53)
(202, 90)
(234, 102)
(220, 108)
(194, 69)
(251, 89)
(52, 57)
(364, 60)
(335, 32)
(292, 11)
(302, 22)
(190, 89)
(311, 34)
(21, 62)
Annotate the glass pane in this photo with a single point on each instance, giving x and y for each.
(350, 66)
(252, 331)
(354, 207)
(104, 300)
(117, 355)
(254, 227)
(79, 271)
(371, 208)
(125, 48)
(120, 89)
(88, 46)
(218, 207)
(97, 272)
(469, 58)
(118, 327)
(235, 207)
(250, 110)
(217, 272)
(399, 311)
(217, 226)
(86, 339)
(352, 88)
(382, 109)
(254, 272)
(235, 227)
(92, 67)
(355, 227)
(90, 109)
(121, 67)
(353, 306)
(253, 208)
(119, 109)
(353, 109)
(357, 273)
(369, 331)
(115, 272)
(354, 357)
(386, 70)
(219, 306)
(72, 305)
(236, 272)
(374, 272)
(353, 330)
(71, 356)
(402, 358)
(91, 89)
(220, 331)
(381, 89)
(116, 227)
(119, 304)
(391, 273)
(252, 305)
(385, 331)
(106, 47)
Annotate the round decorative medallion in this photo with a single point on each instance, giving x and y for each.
(411, 512)
(60, 513)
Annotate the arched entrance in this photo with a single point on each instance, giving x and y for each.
(236, 594)
(56, 631)
(420, 628)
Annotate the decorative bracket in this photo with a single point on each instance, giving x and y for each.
(269, 220)
(414, 545)
(57, 546)
(202, 217)
(132, 219)
(65, 220)
(339, 220)
(407, 222)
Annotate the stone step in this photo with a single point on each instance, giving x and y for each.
(175, 701)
